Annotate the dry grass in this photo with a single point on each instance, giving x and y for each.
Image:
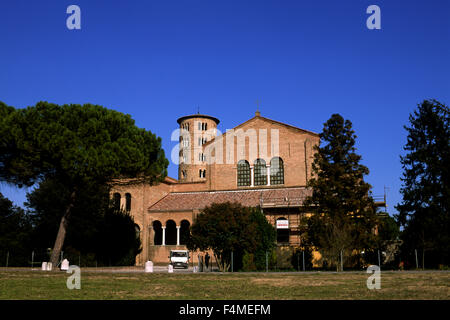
(211, 286)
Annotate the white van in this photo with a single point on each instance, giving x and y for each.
(179, 258)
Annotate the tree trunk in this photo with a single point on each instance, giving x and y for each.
(423, 259)
(423, 250)
(59, 242)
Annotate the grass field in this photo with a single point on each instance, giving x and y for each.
(211, 286)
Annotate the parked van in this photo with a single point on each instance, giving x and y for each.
(179, 258)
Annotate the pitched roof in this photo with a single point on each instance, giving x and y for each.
(267, 197)
(265, 119)
(128, 181)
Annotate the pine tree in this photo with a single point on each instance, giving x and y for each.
(424, 211)
(77, 145)
(343, 210)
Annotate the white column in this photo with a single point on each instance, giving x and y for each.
(268, 174)
(164, 236)
(252, 176)
(178, 235)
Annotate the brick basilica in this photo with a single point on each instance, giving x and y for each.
(261, 162)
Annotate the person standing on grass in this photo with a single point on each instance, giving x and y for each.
(207, 257)
(200, 263)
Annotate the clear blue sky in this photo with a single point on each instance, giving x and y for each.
(305, 60)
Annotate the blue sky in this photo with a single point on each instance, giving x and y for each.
(305, 60)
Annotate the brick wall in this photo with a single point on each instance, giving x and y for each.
(295, 147)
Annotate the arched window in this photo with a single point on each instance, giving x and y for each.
(171, 232)
(157, 229)
(127, 202)
(116, 201)
(276, 171)
(204, 173)
(184, 231)
(260, 172)
(243, 173)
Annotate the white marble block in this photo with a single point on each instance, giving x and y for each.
(149, 266)
(65, 265)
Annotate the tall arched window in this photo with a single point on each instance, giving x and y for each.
(157, 229)
(243, 173)
(171, 232)
(276, 171)
(116, 201)
(260, 172)
(127, 202)
(184, 231)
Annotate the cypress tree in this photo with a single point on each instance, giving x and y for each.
(424, 210)
(343, 211)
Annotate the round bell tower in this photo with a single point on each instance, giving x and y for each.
(195, 131)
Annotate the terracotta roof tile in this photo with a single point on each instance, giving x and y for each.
(275, 197)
